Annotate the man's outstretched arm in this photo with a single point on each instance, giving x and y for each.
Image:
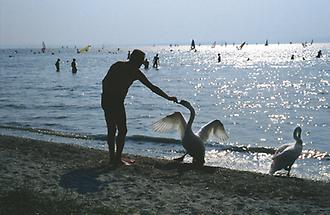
(144, 80)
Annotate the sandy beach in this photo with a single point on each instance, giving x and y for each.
(69, 179)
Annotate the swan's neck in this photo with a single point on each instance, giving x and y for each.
(192, 117)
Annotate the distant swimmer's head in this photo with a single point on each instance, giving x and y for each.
(137, 57)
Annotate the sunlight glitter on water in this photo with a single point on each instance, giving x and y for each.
(260, 101)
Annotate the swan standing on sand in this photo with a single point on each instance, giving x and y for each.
(287, 154)
(193, 143)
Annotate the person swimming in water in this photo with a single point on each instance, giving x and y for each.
(74, 66)
(57, 65)
(146, 64)
(319, 54)
(128, 55)
(155, 62)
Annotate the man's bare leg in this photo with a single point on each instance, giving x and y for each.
(120, 142)
(111, 145)
(111, 126)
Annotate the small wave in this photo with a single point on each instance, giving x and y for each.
(101, 137)
(249, 149)
(220, 147)
(153, 139)
(305, 153)
(315, 154)
(49, 117)
(60, 88)
(15, 106)
(47, 131)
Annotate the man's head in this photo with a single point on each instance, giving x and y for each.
(137, 57)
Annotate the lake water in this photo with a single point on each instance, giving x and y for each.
(260, 101)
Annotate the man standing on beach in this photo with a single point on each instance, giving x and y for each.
(115, 87)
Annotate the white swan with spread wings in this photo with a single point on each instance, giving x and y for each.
(193, 143)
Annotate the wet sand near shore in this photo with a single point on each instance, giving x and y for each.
(83, 177)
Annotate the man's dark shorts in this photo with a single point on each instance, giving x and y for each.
(114, 111)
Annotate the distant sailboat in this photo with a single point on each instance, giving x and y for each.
(266, 43)
(241, 46)
(214, 44)
(192, 47)
(85, 49)
(43, 49)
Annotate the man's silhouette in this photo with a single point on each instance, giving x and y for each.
(155, 61)
(74, 66)
(115, 86)
(57, 65)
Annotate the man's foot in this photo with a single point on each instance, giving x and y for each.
(131, 161)
(125, 162)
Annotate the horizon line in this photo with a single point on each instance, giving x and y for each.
(118, 45)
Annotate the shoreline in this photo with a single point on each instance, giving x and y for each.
(150, 186)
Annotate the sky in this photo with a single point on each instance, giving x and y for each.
(139, 22)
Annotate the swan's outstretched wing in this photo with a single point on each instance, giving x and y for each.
(214, 128)
(171, 122)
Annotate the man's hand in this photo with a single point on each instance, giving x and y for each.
(173, 99)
